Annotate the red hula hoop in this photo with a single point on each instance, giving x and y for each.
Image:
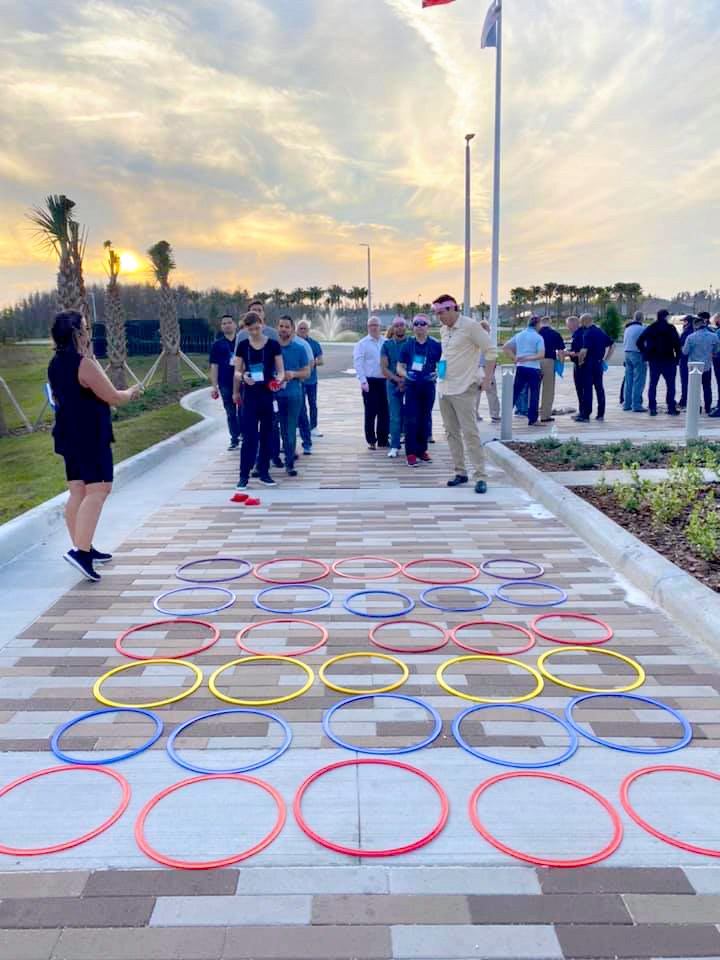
(382, 576)
(159, 623)
(296, 653)
(441, 583)
(625, 800)
(542, 861)
(281, 583)
(572, 616)
(209, 864)
(357, 852)
(492, 623)
(57, 847)
(422, 623)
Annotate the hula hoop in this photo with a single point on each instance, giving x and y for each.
(194, 613)
(475, 571)
(485, 568)
(492, 623)
(296, 653)
(193, 563)
(382, 576)
(437, 606)
(54, 741)
(437, 727)
(666, 838)
(67, 844)
(683, 742)
(485, 656)
(319, 606)
(260, 703)
(461, 742)
(385, 593)
(356, 851)
(572, 616)
(148, 663)
(159, 623)
(380, 656)
(576, 686)
(209, 864)
(530, 583)
(422, 623)
(266, 563)
(543, 861)
(172, 753)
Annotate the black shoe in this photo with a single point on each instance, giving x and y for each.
(457, 480)
(545, 419)
(242, 483)
(653, 413)
(267, 480)
(580, 419)
(430, 440)
(291, 471)
(382, 445)
(481, 487)
(674, 412)
(82, 561)
(277, 462)
(234, 445)
(98, 556)
(255, 473)
(641, 410)
(307, 453)
(600, 418)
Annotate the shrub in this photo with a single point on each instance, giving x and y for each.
(612, 323)
(703, 529)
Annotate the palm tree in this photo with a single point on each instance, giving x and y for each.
(335, 294)
(548, 293)
(560, 290)
(58, 232)
(482, 308)
(162, 263)
(314, 295)
(573, 293)
(298, 296)
(535, 293)
(518, 298)
(278, 297)
(114, 321)
(357, 295)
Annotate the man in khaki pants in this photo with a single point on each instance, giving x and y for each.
(554, 350)
(463, 340)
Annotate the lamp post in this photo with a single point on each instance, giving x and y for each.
(369, 285)
(466, 293)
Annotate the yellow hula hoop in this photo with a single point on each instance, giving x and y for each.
(148, 663)
(608, 653)
(539, 683)
(261, 703)
(379, 656)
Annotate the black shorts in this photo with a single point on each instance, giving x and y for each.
(95, 466)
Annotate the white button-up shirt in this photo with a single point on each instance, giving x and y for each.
(366, 358)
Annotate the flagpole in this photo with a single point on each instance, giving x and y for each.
(468, 258)
(496, 184)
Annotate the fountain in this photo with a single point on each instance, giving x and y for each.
(329, 323)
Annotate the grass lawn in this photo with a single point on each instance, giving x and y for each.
(31, 472)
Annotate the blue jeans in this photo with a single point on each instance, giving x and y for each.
(289, 414)
(635, 372)
(231, 411)
(396, 405)
(419, 398)
(304, 424)
(310, 395)
(528, 377)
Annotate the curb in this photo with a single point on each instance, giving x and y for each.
(689, 603)
(32, 527)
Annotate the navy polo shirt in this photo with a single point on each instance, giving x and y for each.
(222, 353)
(596, 342)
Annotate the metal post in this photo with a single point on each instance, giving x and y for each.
(495, 265)
(369, 286)
(692, 411)
(466, 294)
(508, 382)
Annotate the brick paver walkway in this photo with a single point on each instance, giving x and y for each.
(457, 897)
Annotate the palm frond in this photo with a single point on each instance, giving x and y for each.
(52, 222)
(162, 260)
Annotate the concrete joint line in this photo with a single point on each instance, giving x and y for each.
(690, 604)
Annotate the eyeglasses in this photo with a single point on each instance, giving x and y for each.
(419, 323)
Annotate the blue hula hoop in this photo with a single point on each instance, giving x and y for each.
(194, 563)
(461, 742)
(385, 750)
(687, 728)
(446, 586)
(379, 616)
(528, 603)
(284, 586)
(96, 713)
(172, 753)
(194, 613)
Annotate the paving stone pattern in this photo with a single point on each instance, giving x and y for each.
(654, 903)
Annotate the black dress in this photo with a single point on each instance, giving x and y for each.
(83, 429)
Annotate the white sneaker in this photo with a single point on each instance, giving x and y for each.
(393, 452)
(315, 433)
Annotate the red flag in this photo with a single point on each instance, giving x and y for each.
(434, 3)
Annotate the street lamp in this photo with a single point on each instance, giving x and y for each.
(466, 294)
(369, 288)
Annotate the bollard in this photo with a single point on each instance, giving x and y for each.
(692, 411)
(508, 382)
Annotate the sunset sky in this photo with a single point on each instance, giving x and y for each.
(266, 139)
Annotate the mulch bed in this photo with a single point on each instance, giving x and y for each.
(574, 456)
(668, 540)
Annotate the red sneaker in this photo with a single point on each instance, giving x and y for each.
(239, 497)
(412, 460)
(252, 502)
(425, 457)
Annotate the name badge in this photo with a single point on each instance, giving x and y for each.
(276, 407)
(231, 361)
(418, 363)
(256, 372)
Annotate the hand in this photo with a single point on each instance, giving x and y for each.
(215, 393)
(236, 399)
(365, 387)
(247, 378)
(136, 391)
(486, 384)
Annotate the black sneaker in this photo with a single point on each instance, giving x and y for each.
(674, 412)
(653, 413)
(277, 462)
(82, 561)
(291, 472)
(97, 556)
(267, 480)
(481, 487)
(580, 419)
(234, 445)
(457, 480)
(307, 453)
(242, 483)
(255, 473)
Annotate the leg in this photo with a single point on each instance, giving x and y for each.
(231, 412)
(639, 374)
(684, 379)
(311, 394)
(578, 385)
(249, 449)
(431, 404)
(586, 380)
(304, 423)
(707, 390)
(413, 416)
(465, 411)
(670, 373)
(599, 388)
(369, 418)
(395, 404)
(265, 425)
(454, 436)
(533, 395)
(425, 394)
(652, 389)
(519, 384)
(629, 383)
(77, 494)
(381, 412)
(548, 389)
(288, 453)
(294, 402)
(88, 513)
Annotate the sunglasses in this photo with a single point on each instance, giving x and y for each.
(419, 323)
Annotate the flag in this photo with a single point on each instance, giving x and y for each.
(489, 30)
(434, 3)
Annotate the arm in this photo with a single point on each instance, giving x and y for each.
(402, 369)
(92, 376)
(686, 347)
(480, 338)
(238, 378)
(359, 364)
(319, 359)
(302, 374)
(279, 367)
(214, 367)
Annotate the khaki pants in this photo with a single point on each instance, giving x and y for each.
(492, 399)
(459, 420)
(548, 388)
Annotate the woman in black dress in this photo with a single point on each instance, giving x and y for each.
(83, 434)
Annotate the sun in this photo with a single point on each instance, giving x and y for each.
(129, 263)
